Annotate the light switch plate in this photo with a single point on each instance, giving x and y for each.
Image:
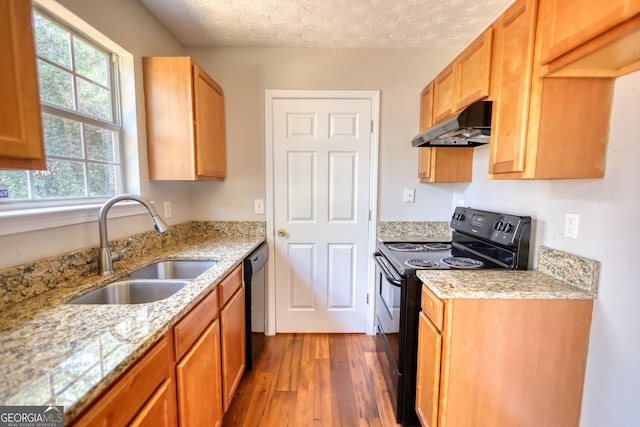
(409, 195)
(258, 206)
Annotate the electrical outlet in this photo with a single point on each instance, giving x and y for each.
(258, 206)
(167, 209)
(571, 225)
(461, 202)
(409, 195)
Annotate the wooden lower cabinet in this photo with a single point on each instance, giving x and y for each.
(502, 362)
(428, 374)
(144, 395)
(233, 345)
(160, 411)
(198, 379)
(179, 381)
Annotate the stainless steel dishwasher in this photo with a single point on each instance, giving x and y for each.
(255, 281)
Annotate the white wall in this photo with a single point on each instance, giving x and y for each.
(608, 232)
(245, 73)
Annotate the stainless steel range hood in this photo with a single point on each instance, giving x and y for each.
(469, 128)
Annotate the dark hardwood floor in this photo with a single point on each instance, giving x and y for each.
(302, 380)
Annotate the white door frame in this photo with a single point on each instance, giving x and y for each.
(270, 96)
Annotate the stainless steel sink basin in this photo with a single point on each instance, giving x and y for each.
(132, 292)
(173, 270)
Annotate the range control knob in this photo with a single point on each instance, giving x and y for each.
(508, 228)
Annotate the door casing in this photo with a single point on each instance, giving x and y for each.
(374, 97)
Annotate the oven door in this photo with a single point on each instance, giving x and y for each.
(388, 313)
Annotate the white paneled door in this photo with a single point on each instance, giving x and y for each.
(321, 181)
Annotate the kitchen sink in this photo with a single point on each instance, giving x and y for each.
(187, 270)
(135, 291)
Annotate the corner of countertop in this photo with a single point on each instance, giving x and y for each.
(572, 269)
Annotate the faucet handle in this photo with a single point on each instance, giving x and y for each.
(122, 252)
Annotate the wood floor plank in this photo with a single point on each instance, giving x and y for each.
(323, 380)
(362, 381)
(345, 410)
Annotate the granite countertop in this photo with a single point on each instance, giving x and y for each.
(559, 275)
(63, 354)
(499, 284)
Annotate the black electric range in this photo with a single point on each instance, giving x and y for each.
(479, 240)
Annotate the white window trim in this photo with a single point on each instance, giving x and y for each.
(41, 216)
(26, 220)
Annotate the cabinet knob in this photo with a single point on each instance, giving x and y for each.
(282, 232)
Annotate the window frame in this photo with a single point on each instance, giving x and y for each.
(19, 216)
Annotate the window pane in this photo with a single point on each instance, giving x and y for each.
(100, 144)
(56, 86)
(102, 180)
(90, 62)
(52, 42)
(61, 179)
(61, 137)
(94, 100)
(16, 182)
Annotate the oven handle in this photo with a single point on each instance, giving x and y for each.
(387, 270)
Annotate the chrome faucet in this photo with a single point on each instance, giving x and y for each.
(105, 262)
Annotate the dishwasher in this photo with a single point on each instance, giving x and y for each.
(255, 282)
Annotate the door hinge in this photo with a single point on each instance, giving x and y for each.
(369, 215)
(371, 130)
(367, 299)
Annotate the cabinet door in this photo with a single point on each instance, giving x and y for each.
(444, 91)
(21, 140)
(474, 70)
(198, 379)
(132, 391)
(428, 374)
(426, 120)
(232, 325)
(570, 23)
(160, 410)
(209, 126)
(511, 72)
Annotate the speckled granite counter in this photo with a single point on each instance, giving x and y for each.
(559, 276)
(62, 354)
(414, 231)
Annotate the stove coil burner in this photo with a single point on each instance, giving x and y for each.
(406, 247)
(462, 262)
(437, 246)
(421, 263)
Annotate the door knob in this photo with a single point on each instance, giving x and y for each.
(282, 232)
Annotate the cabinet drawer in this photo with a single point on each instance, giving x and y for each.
(188, 330)
(433, 307)
(230, 285)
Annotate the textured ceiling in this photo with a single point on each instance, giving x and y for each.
(327, 23)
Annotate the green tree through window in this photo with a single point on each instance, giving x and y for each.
(77, 82)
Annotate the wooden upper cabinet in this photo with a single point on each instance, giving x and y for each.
(440, 164)
(444, 94)
(473, 68)
(542, 127)
(511, 73)
(426, 120)
(571, 23)
(581, 38)
(185, 121)
(21, 138)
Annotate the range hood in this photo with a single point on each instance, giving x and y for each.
(469, 128)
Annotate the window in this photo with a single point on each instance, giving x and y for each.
(80, 118)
